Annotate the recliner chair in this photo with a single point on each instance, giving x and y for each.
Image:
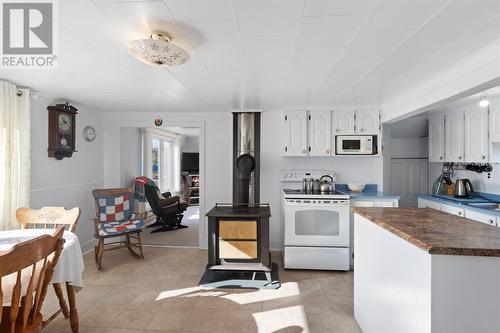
(167, 208)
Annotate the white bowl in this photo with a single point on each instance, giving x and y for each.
(356, 187)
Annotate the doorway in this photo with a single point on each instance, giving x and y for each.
(170, 158)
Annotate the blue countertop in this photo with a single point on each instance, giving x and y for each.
(369, 193)
(464, 203)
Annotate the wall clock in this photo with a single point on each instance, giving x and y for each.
(62, 124)
(89, 133)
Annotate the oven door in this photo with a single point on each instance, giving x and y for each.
(316, 224)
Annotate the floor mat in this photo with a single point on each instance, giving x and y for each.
(239, 279)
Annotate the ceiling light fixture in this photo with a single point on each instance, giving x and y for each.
(483, 101)
(157, 50)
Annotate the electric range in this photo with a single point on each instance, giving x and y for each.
(315, 225)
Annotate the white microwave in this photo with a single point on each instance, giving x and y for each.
(356, 145)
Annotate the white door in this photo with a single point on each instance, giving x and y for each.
(409, 177)
(454, 137)
(320, 139)
(295, 133)
(316, 224)
(343, 122)
(476, 135)
(367, 122)
(436, 139)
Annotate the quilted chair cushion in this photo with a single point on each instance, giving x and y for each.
(115, 209)
(120, 227)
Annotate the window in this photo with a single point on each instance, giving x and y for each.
(162, 160)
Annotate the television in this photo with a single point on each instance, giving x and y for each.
(191, 162)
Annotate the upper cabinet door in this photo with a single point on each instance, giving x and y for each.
(454, 137)
(343, 122)
(436, 139)
(476, 135)
(494, 110)
(295, 133)
(368, 122)
(320, 141)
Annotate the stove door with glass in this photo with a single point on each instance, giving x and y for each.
(316, 222)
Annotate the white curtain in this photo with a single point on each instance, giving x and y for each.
(15, 152)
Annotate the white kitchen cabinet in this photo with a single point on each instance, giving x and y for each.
(494, 110)
(295, 133)
(476, 145)
(367, 122)
(423, 203)
(320, 139)
(454, 137)
(453, 210)
(436, 139)
(481, 217)
(343, 122)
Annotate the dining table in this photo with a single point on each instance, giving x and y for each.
(69, 268)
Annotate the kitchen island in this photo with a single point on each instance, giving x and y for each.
(422, 270)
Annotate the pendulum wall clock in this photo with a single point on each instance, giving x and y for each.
(62, 124)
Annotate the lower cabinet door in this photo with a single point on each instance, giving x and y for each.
(481, 217)
(453, 210)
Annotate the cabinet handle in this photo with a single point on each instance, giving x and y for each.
(490, 221)
(328, 151)
(440, 157)
(337, 130)
(459, 213)
(304, 151)
(459, 157)
(362, 130)
(483, 157)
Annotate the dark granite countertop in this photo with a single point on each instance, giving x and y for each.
(437, 232)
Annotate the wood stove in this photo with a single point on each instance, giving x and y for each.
(238, 233)
(239, 238)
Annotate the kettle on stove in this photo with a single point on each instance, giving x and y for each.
(326, 186)
(463, 188)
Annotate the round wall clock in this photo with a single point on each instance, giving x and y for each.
(89, 133)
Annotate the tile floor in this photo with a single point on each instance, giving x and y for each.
(161, 294)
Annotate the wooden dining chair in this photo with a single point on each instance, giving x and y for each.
(51, 218)
(48, 218)
(25, 273)
(114, 218)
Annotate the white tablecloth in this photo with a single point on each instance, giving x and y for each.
(70, 266)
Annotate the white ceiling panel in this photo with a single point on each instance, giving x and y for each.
(329, 31)
(367, 51)
(260, 53)
(402, 14)
(338, 7)
(269, 17)
(202, 10)
(268, 56)
(219, 45)
(69, 12)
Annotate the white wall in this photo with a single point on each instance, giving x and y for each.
(130, 155)
(409, 148)
(68, 182)
(348, 169)
(190, 144)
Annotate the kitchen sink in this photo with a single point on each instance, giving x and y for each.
(486, 205)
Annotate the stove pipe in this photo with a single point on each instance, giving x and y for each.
(246, 157)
